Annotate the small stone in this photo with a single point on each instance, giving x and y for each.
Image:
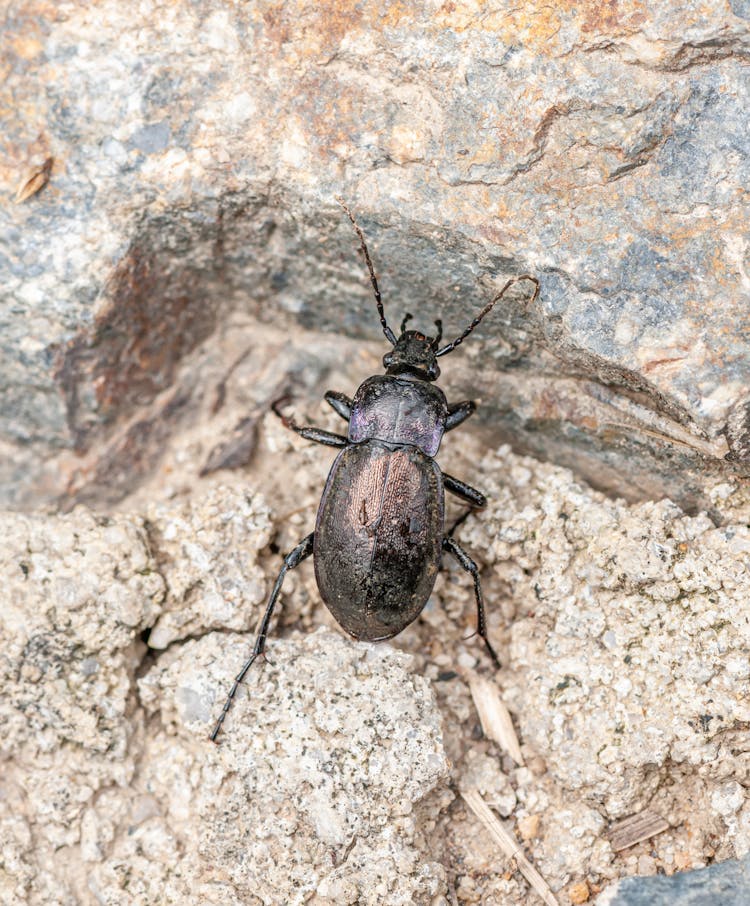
(579, 892)
(528, 826)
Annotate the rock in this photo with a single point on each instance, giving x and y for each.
(621, 627)
(627, 660)
(196, 152)
(75, 592)
(321, 785)
(726, 883)
(207, 549)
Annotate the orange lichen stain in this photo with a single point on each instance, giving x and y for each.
(537, 23)
(26, 46)
(330, 126)
(397, 13)
(318, 28)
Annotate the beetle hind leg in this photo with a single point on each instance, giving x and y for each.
(465, 561)
(292, 559)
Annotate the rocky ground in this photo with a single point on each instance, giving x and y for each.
(623, 634)
(172, 260)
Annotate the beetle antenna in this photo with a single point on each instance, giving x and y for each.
(487, 309)
(407, 317)
(390, 336)
(439, 336)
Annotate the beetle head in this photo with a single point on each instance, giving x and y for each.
(414, 353)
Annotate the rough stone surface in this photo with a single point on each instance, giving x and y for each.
(198, 146)
(75, 592)
(208, 549)
(622, 630)
(629, 647)
(727, 884)
(320, 789)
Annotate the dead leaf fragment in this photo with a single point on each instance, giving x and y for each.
(495, 718)
(35, 181)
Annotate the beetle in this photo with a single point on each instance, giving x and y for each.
(380, 529)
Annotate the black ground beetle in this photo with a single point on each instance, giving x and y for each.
(380, 530)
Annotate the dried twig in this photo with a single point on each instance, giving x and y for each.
(495, 718)
(508, 843)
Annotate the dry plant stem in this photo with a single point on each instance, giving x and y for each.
(508, 843)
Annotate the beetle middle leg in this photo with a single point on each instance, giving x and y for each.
(292, 559)
(465, 491)
(453, 547)
(309, 432)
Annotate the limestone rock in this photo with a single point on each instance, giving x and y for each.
(628, 666)
(207, 549)
(320, 788)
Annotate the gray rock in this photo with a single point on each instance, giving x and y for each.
(75, 592)
(197, 152)
(320, 788)
(727, 883)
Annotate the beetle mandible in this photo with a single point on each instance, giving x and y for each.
(380, 533)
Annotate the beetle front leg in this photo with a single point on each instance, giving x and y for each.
(458, 413)
(309, 432)
(303, 550)
(340, 403)
(470, 566)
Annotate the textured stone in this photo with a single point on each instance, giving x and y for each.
(726, 884)
(75, 592)
(629, 645)
(208, 549)
(198, 146)
(320, 786)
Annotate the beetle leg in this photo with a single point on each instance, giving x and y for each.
(464, 491)
(461, 518)
(303, 550)
(309, 432)
(458, 413)
(470, 566)
(340, 402)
